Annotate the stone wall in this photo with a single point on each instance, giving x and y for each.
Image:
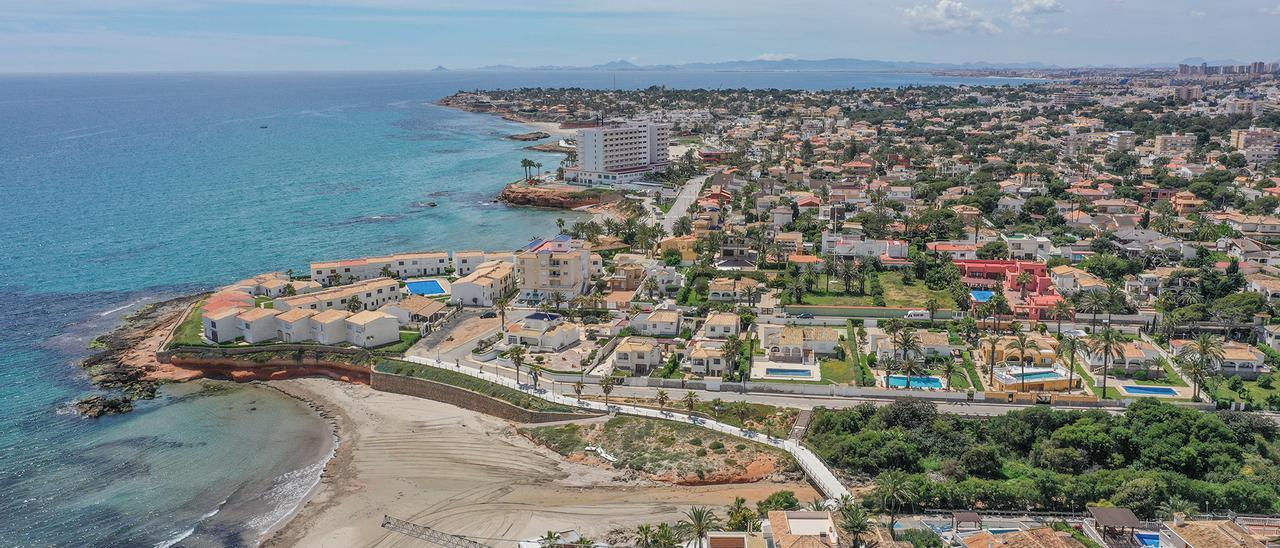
(242, 370)
(461, 397)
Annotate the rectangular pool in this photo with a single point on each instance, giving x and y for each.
(1039, 375)
(425, 287)
(1150, 390)
(779, 372)
(1148, 539)
(981, 296)
(900, 381)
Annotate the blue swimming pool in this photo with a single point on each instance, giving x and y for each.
(981, 296)
(780, 372)
(1002, 531)
(1150, 390)
(425, 287)
(900, 381)
(1148, 539)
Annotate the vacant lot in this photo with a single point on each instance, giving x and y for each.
(666, 450)
(896, 294)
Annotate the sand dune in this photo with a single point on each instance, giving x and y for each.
(462, 472)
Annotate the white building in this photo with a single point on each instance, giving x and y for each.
(620, 153)
(372, 328)
(1121, 141)
(543, 332)
(483, 286)
(847, 245)
(402, 265)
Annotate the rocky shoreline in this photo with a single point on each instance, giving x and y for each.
(531, 136)
(124, 369)
(556, 196)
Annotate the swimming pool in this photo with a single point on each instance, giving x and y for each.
(779, 372)
(1150, 390)
(981, 296)
(1002, 531)
(425, 287)
(900, 381)
(1148, 539)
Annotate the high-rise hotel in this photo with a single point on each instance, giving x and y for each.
(620, 153)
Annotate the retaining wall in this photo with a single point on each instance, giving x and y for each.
(461, 397)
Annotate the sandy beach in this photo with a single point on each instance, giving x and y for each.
(552, 128)
(463, 472)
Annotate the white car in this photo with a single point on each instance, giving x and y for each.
(917, 315)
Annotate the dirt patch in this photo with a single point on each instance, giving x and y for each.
(666, 451)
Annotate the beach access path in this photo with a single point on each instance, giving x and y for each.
(814, 468)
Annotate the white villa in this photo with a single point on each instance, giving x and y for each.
(543, 332)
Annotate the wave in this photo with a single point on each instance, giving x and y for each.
(179, 537)
(288, 494)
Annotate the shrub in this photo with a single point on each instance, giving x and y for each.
(715, 445)
(701, 452)
(1265, 381)
(1140, 375)
(695, 441)
(1236, 384)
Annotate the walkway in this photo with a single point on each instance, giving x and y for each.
(688, 193)
(814, 468)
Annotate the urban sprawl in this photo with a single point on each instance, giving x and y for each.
(1037, 315)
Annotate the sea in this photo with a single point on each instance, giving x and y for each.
(121, 189)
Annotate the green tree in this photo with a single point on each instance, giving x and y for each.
(1105, 344)
(697, 522)
(1203, 355)
(895, 491)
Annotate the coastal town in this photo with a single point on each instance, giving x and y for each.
(1037, 315)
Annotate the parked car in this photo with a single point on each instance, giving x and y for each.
(917, 315)
(489, 314)
(805, 316)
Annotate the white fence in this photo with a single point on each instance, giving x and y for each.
(813, 467)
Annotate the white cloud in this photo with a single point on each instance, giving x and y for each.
(1197, 13)
(1036, 7)
(1270, 11)
(949, 16)
(775, 56)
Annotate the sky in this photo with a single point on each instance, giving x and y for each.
(199, 35)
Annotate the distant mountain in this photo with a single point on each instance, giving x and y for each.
(439, 68)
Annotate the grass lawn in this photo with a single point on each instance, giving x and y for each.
(1171, 378)
(1111, 394)
(666, 206)
(407, 339)
(263, 301)
(975, 379)
(958, 381)
(509, 395)
(839, 371)
(895, 294)
(190, 331)
(1256, 394)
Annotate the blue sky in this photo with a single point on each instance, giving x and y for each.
(160, 35)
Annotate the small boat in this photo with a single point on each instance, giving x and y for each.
(262, 127)
(432, 204)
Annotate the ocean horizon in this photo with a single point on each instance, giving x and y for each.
(122, 189)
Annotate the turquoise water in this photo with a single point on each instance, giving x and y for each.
(1148, 539)
(787, 372)
(900, 381)
(425, 287)
(1150, 390)
(116, 190)
(981, 296)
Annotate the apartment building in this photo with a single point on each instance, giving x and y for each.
(620, 153)
(366, 329)
(1121, 141)
(465, 262)
(561, 265)
(403, 265)
(1175, 144)
(372, 294)
(848, 245)
(638, 355)
(487, 283)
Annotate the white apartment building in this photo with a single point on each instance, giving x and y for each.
(561, 265)
(620, 153)
(1121, 141)
(487, 283)
(372, 294)
(403, 265)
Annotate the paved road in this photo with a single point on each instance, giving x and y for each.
(688, 194)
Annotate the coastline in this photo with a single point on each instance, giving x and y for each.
(464, 472)
(335, 453)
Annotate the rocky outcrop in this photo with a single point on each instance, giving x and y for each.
(555, 196)
(531, 136)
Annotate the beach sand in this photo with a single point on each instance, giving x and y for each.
(553, 128)
(463, 472)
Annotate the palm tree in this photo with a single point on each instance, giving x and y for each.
(1067, 349)
(948, 369)
(606, 386)
(730, 351)
(1106, 344)
(697, 522)
(855, 522)
(651, 286)
(516, 355)
(895, 491)
(549, 540)
(1204, 354)
(690, 401)
(666, 537)
(909, 342)
(992, 339)
(1095, 302)
(663, 399)
(500, 305)
(578, 387)
(644, 536)
(932, 305)
(1022, 345)
(892, 327)
(1023, 280)
(910, 367)
(1061, 309)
